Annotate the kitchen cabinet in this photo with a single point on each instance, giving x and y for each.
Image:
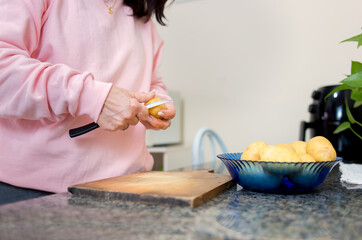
(169, 158)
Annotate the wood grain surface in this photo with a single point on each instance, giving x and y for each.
(189, 188)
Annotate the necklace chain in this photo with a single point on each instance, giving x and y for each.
(110, 8)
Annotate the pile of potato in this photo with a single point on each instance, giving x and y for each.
(317, 149)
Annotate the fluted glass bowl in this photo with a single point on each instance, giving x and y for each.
(277, 177)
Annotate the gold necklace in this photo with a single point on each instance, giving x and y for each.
(110, 8)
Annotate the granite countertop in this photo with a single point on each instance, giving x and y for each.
(331, 212)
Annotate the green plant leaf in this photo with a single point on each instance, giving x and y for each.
(339, 88)
(353, 39)
(342, 127)
(357, 104)
(355, 80)
(356, 67)
(356, 94)
(357, 39)
(351, 119)
(349, 115)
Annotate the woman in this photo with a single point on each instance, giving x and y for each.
(65, 63)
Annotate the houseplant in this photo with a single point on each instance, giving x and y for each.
(352, 83)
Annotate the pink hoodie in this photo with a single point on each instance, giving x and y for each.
(58, 61)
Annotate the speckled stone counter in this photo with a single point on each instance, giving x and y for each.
(331, 212)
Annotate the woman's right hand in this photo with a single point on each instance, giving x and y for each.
(123, 108)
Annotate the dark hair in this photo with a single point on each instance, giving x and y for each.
(146, 8)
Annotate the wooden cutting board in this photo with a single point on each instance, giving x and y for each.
(189, 188)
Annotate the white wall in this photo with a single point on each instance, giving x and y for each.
(247, 68)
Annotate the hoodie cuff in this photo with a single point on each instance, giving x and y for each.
(93, 97)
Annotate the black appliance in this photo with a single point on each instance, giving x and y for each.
(327, 114)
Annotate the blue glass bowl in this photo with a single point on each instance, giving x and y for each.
(277, 177)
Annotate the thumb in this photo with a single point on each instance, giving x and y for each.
(144, 97)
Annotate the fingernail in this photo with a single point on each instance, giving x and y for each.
(161, 114)
(153, 90)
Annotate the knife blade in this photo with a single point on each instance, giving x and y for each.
(157, 103)
(75, 132)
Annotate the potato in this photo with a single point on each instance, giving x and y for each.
(154, 111)
(285, 145)
(279, 153)
(316, 149)
(305, 157)
(252, 151)
(300, 147)
(321, 149)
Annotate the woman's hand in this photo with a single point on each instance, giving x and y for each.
(123, 108)
(156, 124)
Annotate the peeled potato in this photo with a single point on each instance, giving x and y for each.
(275, 153)
(305, 157)
(252, 151)
(300, 147)
(321, 149)
(285, 145)
(316, 149)
(154, 111)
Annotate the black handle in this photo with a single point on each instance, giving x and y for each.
(303, 127)
(75, 132)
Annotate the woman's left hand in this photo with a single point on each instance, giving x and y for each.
(164, 122)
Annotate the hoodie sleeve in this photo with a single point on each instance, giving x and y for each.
(31, 89)
(156, 82)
